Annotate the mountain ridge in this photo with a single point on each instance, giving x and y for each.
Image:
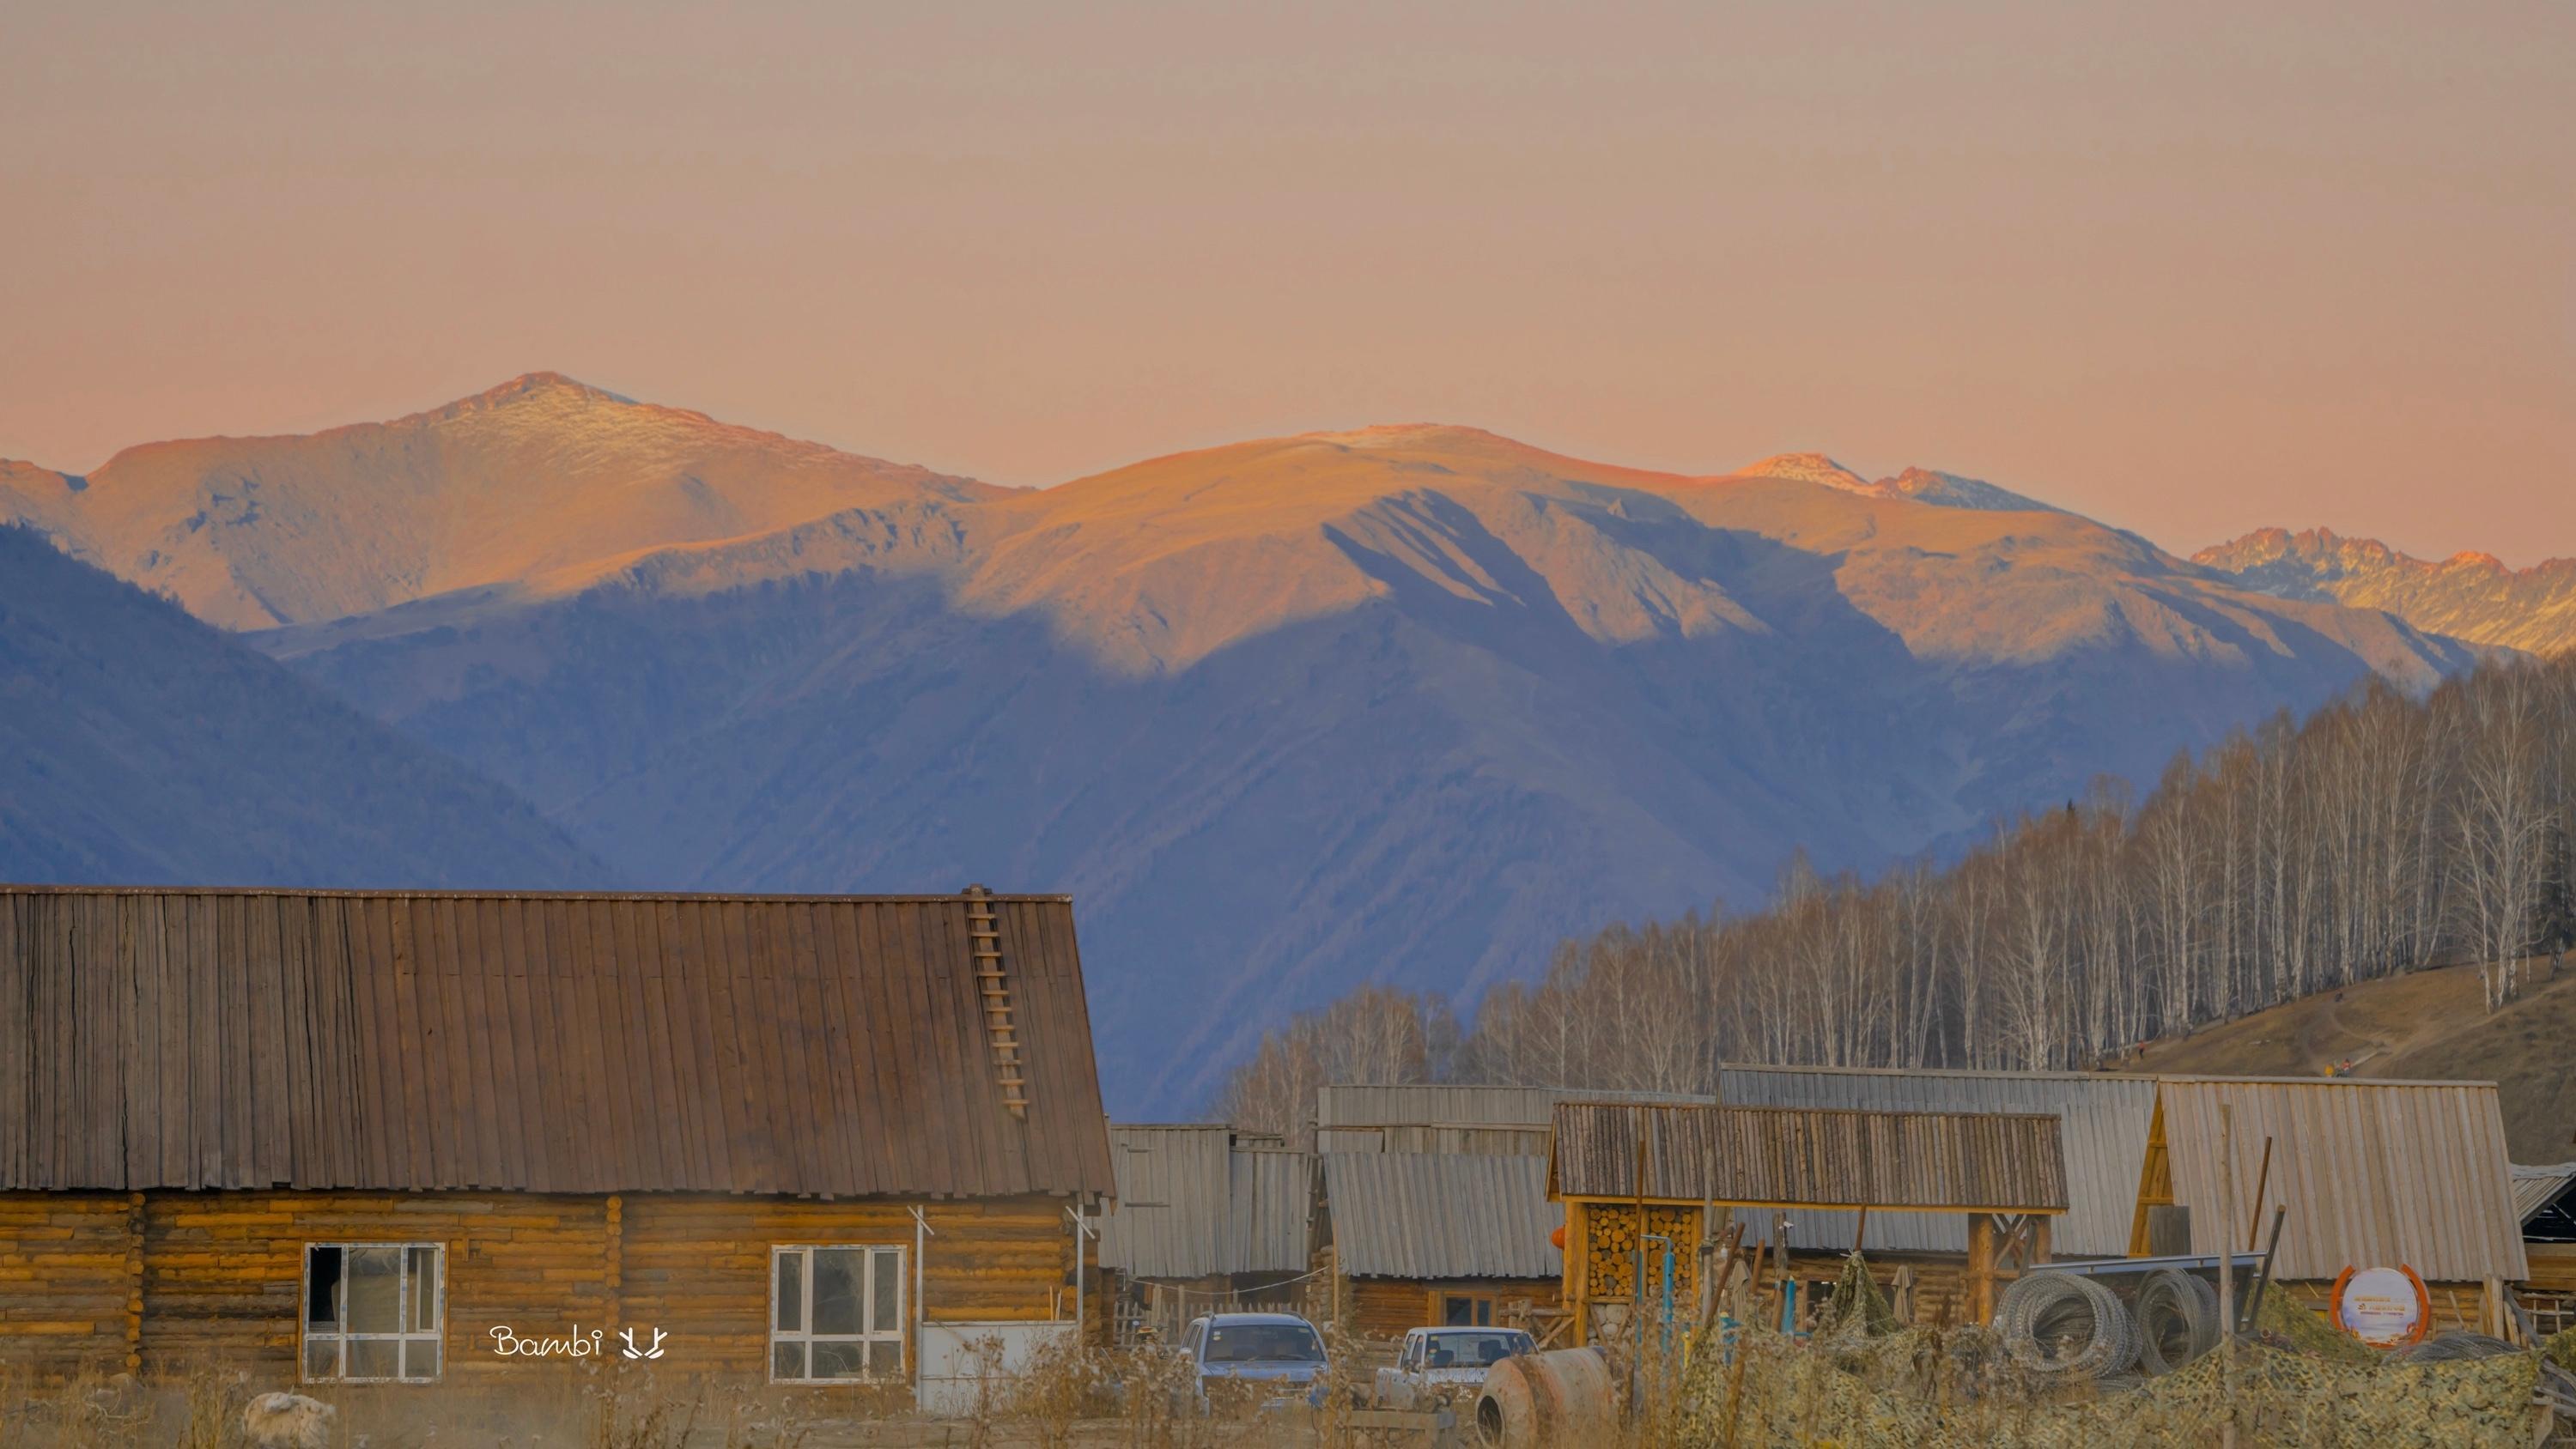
(2471, 595)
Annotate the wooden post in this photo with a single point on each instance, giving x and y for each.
(1981, 1268)
(2040, 1233)
(2262, 1181)
(2227, 1275)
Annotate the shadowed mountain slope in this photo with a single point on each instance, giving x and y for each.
(143, 746)
(2470, 596)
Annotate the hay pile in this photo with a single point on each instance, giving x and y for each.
(1923, 1387)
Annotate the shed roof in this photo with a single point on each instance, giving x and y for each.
(2372, 1172)
(2104, 1137)
(2535, 1188)
(1763, 1156)
(1441, 1215)
(1193, 1200)
(1444, 1117)
(227, 1038)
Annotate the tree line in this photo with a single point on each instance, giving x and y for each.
(2382, 834)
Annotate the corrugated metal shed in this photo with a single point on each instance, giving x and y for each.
(1426, 1117)
(1193, 1203)
(1926, 1161)
(1272, 1197)
(182, 1038)
(2535, 1188)
(2372, 1172)
(1442, 1215)
(1173, 1189)
(2105, 1120)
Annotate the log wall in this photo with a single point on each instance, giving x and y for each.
(1383, 1308)
(168, 1283)
(66, 1281)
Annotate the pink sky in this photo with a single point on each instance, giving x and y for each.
(2191, 268)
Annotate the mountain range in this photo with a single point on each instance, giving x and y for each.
(2471, 596)
(1409, 703)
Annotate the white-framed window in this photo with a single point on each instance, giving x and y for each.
(835, 1313)
(374, 1312)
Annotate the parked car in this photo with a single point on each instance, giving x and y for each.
(1438, 1365)
(1264, 1360)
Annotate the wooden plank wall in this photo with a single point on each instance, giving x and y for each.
(1383, 1308)
(220, 1274)
(697, 1267)
(223, 1272)
(66, 1275)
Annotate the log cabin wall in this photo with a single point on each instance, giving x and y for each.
(1383, 1308)
(697, 1267)
(67, 1281)
(223, 1273)
(218, 1277)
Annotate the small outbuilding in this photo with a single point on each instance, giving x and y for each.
(1639, 1180)
(1208, 1219)
(338, 1136)
(2361, 1173)
(1440, 1239)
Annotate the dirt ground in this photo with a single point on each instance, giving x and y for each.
(2422, 1025)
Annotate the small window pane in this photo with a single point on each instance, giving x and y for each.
(836, 1291)
(420, 1358)
(373, 1358)
(322, 1358)
(791, 1293)
(889, 1289)
(787, 1361)
(885, 1360)
(322, 1285)
(374, 1289)
(839, 1360)
(424, 1288)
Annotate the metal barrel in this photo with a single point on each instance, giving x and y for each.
(1547, 1400)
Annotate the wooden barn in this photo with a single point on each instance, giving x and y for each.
(336, 1136)
(1652, 1176)
(2371, 1173)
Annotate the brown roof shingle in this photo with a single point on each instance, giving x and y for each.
(218, 1038)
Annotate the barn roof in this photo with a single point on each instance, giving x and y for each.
(1914, 1161)
(1441, 1215)
(2372, 1172)
(222, 1038)
(1194, 1201)
(1442, 1117)
(2105, 1121)
(2535, 1188)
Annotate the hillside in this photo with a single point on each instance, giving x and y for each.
(2470, 596)
(145, 746)
(1408, 703)
(2424, 1025)
(540, 477)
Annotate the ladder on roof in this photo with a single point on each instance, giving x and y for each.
(984, 945)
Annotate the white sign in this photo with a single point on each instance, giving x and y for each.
(2383, 1307)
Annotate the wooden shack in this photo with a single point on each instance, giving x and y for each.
(1638, 1180)
(2545, 1198)
(2103, 1122)
(2372, 1173)
(1433, 1239)
(341, 1136)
